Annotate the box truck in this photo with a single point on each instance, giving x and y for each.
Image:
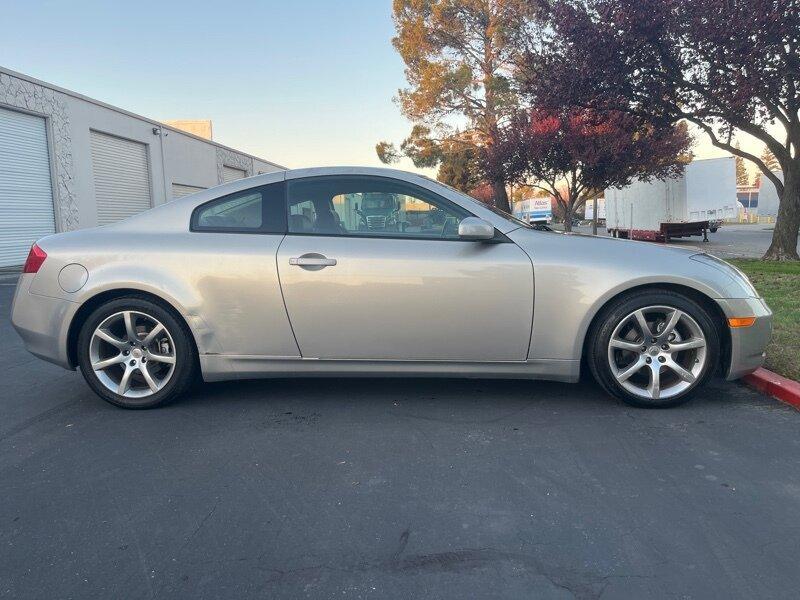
(692, 204)
(534, 210)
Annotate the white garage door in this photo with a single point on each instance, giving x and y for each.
(26, 195)
(179, 190)
(232, 174)
(121, 177)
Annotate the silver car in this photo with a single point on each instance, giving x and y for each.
(373, 272)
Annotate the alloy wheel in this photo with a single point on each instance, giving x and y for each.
(657, 352)
(132, 354)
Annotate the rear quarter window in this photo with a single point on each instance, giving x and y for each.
(257, 210)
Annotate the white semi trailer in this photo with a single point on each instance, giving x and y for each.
(693, 204)
(768, 200)
(588, 211)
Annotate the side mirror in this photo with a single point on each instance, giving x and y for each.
(473, 228)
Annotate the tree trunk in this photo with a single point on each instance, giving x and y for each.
(787, 225)
(568, 212)
(594, 215)
(500, 196)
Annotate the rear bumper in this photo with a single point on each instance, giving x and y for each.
(42, 322)
(747, 343)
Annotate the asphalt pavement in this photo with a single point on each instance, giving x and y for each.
(729, 241)
(403, 488)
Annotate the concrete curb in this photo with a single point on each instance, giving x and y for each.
(781, 388)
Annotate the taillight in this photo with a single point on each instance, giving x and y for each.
(35, 259)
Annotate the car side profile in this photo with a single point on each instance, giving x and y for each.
(376, 272)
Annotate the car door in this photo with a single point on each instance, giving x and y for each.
(373, 268)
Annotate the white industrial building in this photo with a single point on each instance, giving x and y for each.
(69, 162)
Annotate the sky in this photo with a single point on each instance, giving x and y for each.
(300, 83)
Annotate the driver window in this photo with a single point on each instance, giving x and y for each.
(369, 206)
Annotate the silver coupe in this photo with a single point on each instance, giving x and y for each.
(373, 272)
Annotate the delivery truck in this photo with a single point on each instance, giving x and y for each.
(534, 211)
(693, 204)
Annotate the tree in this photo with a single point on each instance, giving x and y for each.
(741, 171)
(458, 159)
(483, 193)
(727, 66)
(769, 160)
(575, 154)
(458, 56)
(459, 168)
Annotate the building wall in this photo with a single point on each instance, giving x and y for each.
(174, 156)
(199, 127)
(17, 93)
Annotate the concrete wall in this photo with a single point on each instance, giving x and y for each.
(174, 156)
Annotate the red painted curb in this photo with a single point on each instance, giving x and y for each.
(785, 390)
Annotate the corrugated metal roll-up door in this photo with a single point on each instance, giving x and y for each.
(26, 193)
(121, 177)
(179, 190)
(232, 174)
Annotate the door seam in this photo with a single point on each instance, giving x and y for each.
(283, 297)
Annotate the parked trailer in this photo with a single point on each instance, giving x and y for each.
(690, 205)
(768, 200)
(588, 212)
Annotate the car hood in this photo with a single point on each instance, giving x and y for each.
(590, 244)
(616, 265)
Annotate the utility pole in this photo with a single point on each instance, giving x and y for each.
(594, 215)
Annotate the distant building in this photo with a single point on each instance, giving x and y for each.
(199, 127)
(68, 162)
(747, 195)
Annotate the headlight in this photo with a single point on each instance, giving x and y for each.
(737, 275)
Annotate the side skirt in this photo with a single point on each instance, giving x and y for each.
(219, 367)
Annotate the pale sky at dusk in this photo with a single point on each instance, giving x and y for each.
(301, 83)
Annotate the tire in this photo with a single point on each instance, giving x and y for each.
(107, 353)
(713, 230)
(683, 365)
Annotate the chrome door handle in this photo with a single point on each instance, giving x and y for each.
(312, 261)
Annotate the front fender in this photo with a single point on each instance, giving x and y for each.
(576, 276)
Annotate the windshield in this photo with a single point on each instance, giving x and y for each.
(381, 201)
(491, 207)
(507, 216)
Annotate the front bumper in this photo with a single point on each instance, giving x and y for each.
(42, 322)
(747, 343)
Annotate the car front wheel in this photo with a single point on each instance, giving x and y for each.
(135, 353)
(654, 348)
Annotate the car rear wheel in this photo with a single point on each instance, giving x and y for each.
(135, 353)
(654, 349)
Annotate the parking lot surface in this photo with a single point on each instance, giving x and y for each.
(390, 488)
(730, 241)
